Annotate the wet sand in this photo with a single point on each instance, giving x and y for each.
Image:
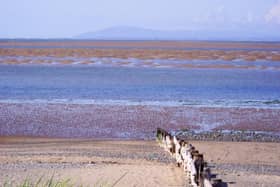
(210, 54)
(128, 121)
(142, 163)
(177, 54)
(152, 58)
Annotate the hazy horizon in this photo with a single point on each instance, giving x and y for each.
(67, 19)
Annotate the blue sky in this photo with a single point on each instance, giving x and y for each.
(66, 18)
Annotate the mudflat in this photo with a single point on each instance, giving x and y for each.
(143, 57)
(127, 121)
(155, 54)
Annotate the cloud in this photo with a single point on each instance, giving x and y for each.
(273, 14)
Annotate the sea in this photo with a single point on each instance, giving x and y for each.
(154, 86)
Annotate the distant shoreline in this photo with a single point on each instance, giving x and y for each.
(132, 40)
(179, 44)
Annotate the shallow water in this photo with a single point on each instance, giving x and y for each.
(230, 87)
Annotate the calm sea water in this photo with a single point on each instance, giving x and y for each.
(29, 82)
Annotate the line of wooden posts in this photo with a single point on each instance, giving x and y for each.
(189, 159)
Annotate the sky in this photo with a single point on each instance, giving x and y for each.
(67, 18)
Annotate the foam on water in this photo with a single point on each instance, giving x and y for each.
(273, 104)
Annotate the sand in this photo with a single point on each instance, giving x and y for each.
(128, 162)
(141, 163)
(243, 163)
(210, 54)
(145, 58)
(88, 162)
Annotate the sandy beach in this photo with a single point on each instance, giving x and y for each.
(89, 162)
(140, 93)
(137, 163)
(88, 110)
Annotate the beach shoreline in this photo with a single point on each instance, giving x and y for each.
(88, 110)
(140, 44)
(128, 122)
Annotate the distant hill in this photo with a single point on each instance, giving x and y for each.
(135, 33)
(131, 33)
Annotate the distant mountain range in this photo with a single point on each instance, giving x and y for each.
(135, 33)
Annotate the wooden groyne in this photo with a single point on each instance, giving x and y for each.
(187, 157)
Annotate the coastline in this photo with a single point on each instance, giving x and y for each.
(88, 110)
(141, 44)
